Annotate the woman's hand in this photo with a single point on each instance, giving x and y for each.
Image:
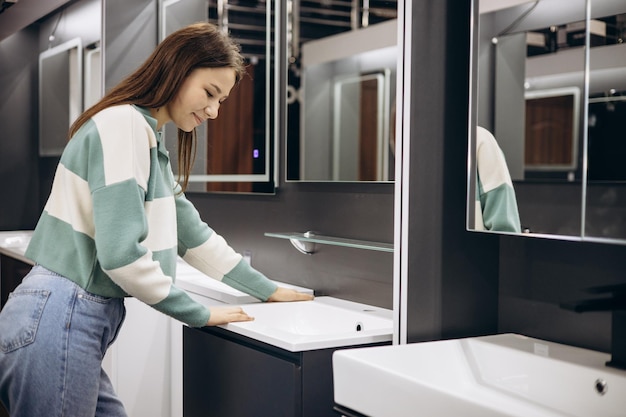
(227, 314)
(287, 294)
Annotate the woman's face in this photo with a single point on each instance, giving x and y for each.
(200, 96)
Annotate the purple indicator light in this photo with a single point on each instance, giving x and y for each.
(255, 154)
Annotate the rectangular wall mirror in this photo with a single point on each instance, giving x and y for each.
(605, 197)
(236, 151)
(60, 94)
(544, 72)
(341, 85)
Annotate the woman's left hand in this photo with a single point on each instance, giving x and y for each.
(287, 294)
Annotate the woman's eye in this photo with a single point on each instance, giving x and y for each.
(208, 93)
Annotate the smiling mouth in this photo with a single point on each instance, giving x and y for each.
(198, 120)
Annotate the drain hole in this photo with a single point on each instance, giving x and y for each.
(601, 386)
(359, 326)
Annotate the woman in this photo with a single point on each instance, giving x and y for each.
(113, 226)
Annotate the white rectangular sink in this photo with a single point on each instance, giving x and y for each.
(501, 375)
(325, 322)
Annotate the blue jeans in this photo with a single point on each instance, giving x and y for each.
(53, 337)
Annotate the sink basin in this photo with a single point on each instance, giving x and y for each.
(322, 323)
(500, 375)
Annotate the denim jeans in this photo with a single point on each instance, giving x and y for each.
(53, 337)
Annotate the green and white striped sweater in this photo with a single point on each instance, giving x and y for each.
(114, 222)
(496, 205)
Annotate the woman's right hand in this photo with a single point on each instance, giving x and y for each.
(227, 314)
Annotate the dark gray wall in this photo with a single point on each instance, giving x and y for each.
(26, 177)
(130, 35)
(344, 210)
(537, 276)
(19, 196)
(452, 274)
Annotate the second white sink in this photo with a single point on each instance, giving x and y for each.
(505, 375)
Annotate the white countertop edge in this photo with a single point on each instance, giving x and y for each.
(13, 244)
(328, 342)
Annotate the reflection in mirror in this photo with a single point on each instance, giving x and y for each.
(235, 152)
(341, 83)
(552, 123)
(605, 210)
(93, 75)
(496, 204)
(529, 93)
(360, 133)
(60, 94)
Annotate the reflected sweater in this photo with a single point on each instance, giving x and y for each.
(496, 205)
(114, 222)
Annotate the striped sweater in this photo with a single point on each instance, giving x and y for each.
(114, 222)
(496, 205)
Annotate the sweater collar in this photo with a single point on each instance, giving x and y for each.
(153, 124)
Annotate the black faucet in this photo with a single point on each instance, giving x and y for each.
(616, 304)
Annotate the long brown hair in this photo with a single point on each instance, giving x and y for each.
(157, 81)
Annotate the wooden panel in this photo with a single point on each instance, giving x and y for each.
(368, 146)
(549, 130)
(230, 137)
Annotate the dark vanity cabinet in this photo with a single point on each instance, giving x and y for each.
(229, 375)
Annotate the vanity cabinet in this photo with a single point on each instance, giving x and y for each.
(229, 375)
(138, 362)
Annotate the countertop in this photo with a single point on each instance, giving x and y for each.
(326, 322)
(13, 243)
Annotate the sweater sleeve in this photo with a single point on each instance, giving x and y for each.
(208, 252)
(495, 188)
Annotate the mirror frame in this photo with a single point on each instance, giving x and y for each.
(269, 178)
(293, 94)
(52, 143)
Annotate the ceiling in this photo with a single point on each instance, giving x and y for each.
(25, 12)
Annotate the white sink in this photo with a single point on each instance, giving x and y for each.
(325, 322)
(500, 375)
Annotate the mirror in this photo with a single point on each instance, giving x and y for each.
(236, 151)
(529, 93)
(341, 84)
(556, 108)
(93, 75)
(60, 94)
(605, 199)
